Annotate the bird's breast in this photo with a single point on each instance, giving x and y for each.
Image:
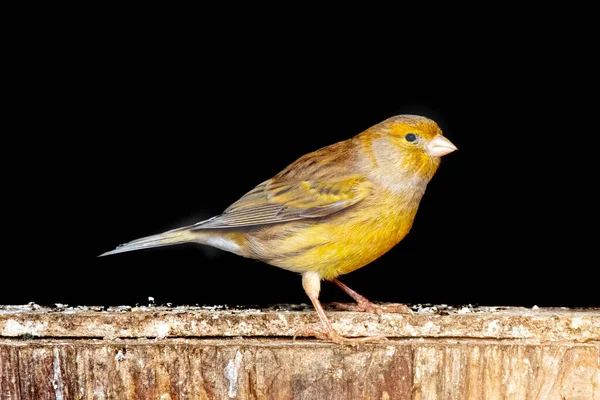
(340, 243)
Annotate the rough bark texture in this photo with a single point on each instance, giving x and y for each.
(160, 353)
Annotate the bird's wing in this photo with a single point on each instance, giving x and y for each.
(273, 202)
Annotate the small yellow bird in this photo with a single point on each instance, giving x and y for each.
(330, 212)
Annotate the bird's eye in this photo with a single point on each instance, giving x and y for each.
(410, 137)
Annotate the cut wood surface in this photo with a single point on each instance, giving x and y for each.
(216, 353)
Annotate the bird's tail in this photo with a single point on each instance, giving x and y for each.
(175, 236)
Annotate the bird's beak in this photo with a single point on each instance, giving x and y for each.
(440, 146)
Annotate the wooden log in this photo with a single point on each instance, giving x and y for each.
(198, 353)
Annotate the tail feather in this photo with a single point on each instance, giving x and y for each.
(175, 236)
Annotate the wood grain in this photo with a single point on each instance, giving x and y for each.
(516, 357)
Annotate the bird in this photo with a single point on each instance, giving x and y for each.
(330, 212)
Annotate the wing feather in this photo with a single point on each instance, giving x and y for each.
(274, 202)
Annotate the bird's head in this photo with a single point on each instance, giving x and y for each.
(410, 144)
(416, 134)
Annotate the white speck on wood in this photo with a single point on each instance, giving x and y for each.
(390, 351)
(283, 320)
(57, 382)
(243, 327)
(492, 328)
(163, 330)
(99, 394)
(120, 356)
(520, 331)
(576, 322)
(410, 329)
(431, 328)
(15, 328)
(231, 373)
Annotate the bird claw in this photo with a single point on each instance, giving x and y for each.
(397, 308)
(365, 306)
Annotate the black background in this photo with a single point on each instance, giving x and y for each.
(125, 130)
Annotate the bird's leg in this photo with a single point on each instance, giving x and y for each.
(362, 303)
(311, 281)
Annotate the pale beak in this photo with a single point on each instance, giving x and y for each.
(440, 146)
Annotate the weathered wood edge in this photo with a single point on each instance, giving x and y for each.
(497, 323)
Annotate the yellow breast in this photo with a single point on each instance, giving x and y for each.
(340, 243)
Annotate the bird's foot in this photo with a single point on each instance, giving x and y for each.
(332, 336)
(371, 308)
(397, 308)
(363, 306)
